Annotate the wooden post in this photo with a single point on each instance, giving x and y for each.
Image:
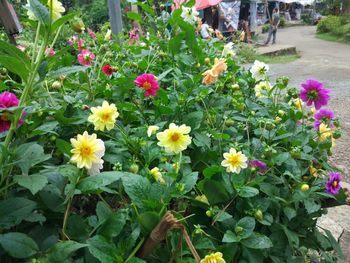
(115, 16)
(10, 20)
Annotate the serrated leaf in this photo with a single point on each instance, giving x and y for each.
(230, 237)
(257, 241)
(101, 249)
(66, 71)
(62, 250)
(95, 184)
(14, 210)
(137, 188)
(40, 11)
(14, 65)
(34, 183)
(18, 245)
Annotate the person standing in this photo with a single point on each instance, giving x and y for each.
(273, 26)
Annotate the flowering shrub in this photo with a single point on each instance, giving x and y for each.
(172, 124)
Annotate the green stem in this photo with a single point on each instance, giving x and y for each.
(135, 250)
(91, 93)
(178, 165)
(65, 219)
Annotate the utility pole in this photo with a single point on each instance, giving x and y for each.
(115, 16)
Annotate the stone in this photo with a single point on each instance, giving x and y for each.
(325, 222)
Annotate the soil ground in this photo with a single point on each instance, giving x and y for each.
(329, 63)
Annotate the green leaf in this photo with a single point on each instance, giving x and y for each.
(114, 224)
(257, 241)
(40, 11)
(334, 244)
(293, 237)
(97, 183)
(18, 245)
(14, 210)
(137, 188)
(290, 213)
(164, 74)
(66, 71)
(34, 183)
(230, 237)
(282, 157)
(212, 170)
(248, 225)
(148, 221)
(62, 250)
(134, 16)
(311, 206)
(28, 155)
(189, 181)
(194, 119)
(62, 20)
(64, 147)
(102, 249)
(14, 65)
(13, 51)
(175, 43)
(215, 192)
(247, 191)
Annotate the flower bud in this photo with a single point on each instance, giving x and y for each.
(198, 65)
(85, 107)
(238, 229)
(209, 213)
(305, 187)
(78, 25)
(207, 60)
(259, 215)
(336, 134)
(134, 168)
(56, 85)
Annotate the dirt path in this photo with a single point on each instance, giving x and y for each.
(328, 62)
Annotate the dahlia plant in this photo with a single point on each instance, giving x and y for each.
(159, 149)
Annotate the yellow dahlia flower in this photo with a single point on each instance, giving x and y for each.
(103, 117)
(234, 161)
(152, 129)
(214, 258)
(175, 139)
(157, 175)
(55, 8)
(325, 133)
(261, 88)
(87, 152)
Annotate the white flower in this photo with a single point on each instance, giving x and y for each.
(259, 70)
(152, 130)
(97, 166)
(108, 35)
(189, 14)
(228, 50)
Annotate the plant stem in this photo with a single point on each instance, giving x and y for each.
(135, 250)
(65, 219)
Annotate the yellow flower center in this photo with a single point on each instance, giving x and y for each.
(234, 160)
(335, 183)
(85, 151)
(4, 117)
(105, 116)
(146, 85)
(175, 137)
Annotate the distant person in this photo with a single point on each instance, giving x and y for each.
(205, 31)
(275, 21)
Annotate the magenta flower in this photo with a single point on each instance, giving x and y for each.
(333, 184)
(149, 83)
(313, 92)
(323, 116)
(85, 57)
(259, 165)
(50, 52)
(7, 100)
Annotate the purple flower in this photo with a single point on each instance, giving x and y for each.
(325, 116)
(313, 92)
(259, 165)
(333, 184)
(313, 261)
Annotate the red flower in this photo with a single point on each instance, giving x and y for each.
(148, 83)
(107, 69)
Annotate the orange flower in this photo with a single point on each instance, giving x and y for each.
(209, 77)
(219, 35)
(219, 67)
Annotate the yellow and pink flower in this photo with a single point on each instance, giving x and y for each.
(85, 57)
(148, 83)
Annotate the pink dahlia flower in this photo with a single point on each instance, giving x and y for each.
(7, 100)
(333, 184)
(85, 57)
(92, 34)
(323, 116)
(313, 92)
(149, 83)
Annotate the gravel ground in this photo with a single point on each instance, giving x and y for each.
(328, 62)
